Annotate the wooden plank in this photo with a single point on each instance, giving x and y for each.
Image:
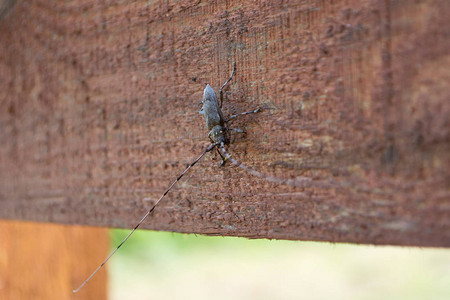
(46, 261)
(99, 113)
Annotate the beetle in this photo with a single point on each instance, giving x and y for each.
(219, 136)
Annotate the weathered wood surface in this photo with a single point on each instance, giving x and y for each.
(46, 261)
(99, 113)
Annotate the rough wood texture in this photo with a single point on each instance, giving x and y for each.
(99, 112)
(43, 261)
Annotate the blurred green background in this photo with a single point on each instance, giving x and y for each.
(162, 265)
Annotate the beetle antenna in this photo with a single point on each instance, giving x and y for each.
(211, 147)
(299, 181)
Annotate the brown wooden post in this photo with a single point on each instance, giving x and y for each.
(99, 113)
(46, 261)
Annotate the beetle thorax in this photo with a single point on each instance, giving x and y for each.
(219, 134)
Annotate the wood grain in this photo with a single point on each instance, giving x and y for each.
(100, 100)
(47, 261)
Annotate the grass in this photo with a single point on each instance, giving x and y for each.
(161, 265)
